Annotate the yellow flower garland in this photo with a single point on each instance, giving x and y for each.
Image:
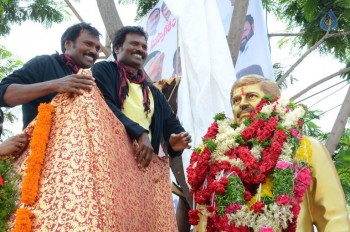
(304, 152)
(30, 185)
(266, 191)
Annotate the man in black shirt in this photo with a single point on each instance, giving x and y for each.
(41, 78)
(141, 107)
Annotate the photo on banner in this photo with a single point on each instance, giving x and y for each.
(163, 61)
(254, 54)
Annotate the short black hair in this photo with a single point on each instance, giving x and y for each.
(73, 32)
(249, 18)
(120, 35)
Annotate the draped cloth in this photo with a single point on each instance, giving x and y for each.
(90, 180)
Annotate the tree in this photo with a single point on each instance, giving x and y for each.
(111, 19)
(42, 11)
(143, 6)
(8, 63)
(307, 15)
(342, 163)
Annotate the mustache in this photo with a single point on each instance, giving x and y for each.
(94, 56)
(245, 109)
(142, 54)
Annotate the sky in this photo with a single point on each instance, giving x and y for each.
(31, 39)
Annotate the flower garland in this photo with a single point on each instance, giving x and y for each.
(252, 176)
(30, 185)
(8, 192)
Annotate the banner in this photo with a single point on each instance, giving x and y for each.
(163, 59)
(254, 55)
(208, 73)
(205, 67)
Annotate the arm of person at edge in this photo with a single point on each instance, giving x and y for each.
(106, 81)
(23, 85)
(325, 196)
(13, 145)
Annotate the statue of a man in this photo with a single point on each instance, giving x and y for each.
(259, 173)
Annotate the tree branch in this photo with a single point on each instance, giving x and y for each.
(342, 71)
(318, 43)
(236, 28)
(339, 125)
(284, 34)
(75, 12)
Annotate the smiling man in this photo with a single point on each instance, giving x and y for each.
(41, 78)
(141, 107)
(143, 110)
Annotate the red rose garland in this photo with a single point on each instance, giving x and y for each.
(209, 177)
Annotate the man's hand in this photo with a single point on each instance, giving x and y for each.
(179, 142)
(13, 145)
(74, 83)
(144, 151)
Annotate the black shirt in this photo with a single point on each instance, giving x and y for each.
(164, 121)
(39, 69)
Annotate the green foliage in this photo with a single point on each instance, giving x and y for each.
(211, 144)
(310, 128)
(342, 163)
(42, 11)
(305, 15)
(143, 6)
(219, 116)
(279, 70)
(8, 193)
(282, 182)
(234, 194)
(8, 63)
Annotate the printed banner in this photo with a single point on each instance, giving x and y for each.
(163, 59)
(254, 55)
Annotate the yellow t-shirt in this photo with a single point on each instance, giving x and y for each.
(134, 109)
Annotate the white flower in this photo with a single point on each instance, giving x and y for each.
(281, 105)
(256, 151)
(267, 109)
(287, 152)
(291, 118)
(225, 139)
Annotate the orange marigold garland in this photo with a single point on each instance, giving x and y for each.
(23, 222)
(30, 185)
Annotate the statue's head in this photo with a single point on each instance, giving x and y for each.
(247, 92)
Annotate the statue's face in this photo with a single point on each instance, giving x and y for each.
(244, 101)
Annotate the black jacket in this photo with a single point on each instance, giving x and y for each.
(164, 121)
(39, 69)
